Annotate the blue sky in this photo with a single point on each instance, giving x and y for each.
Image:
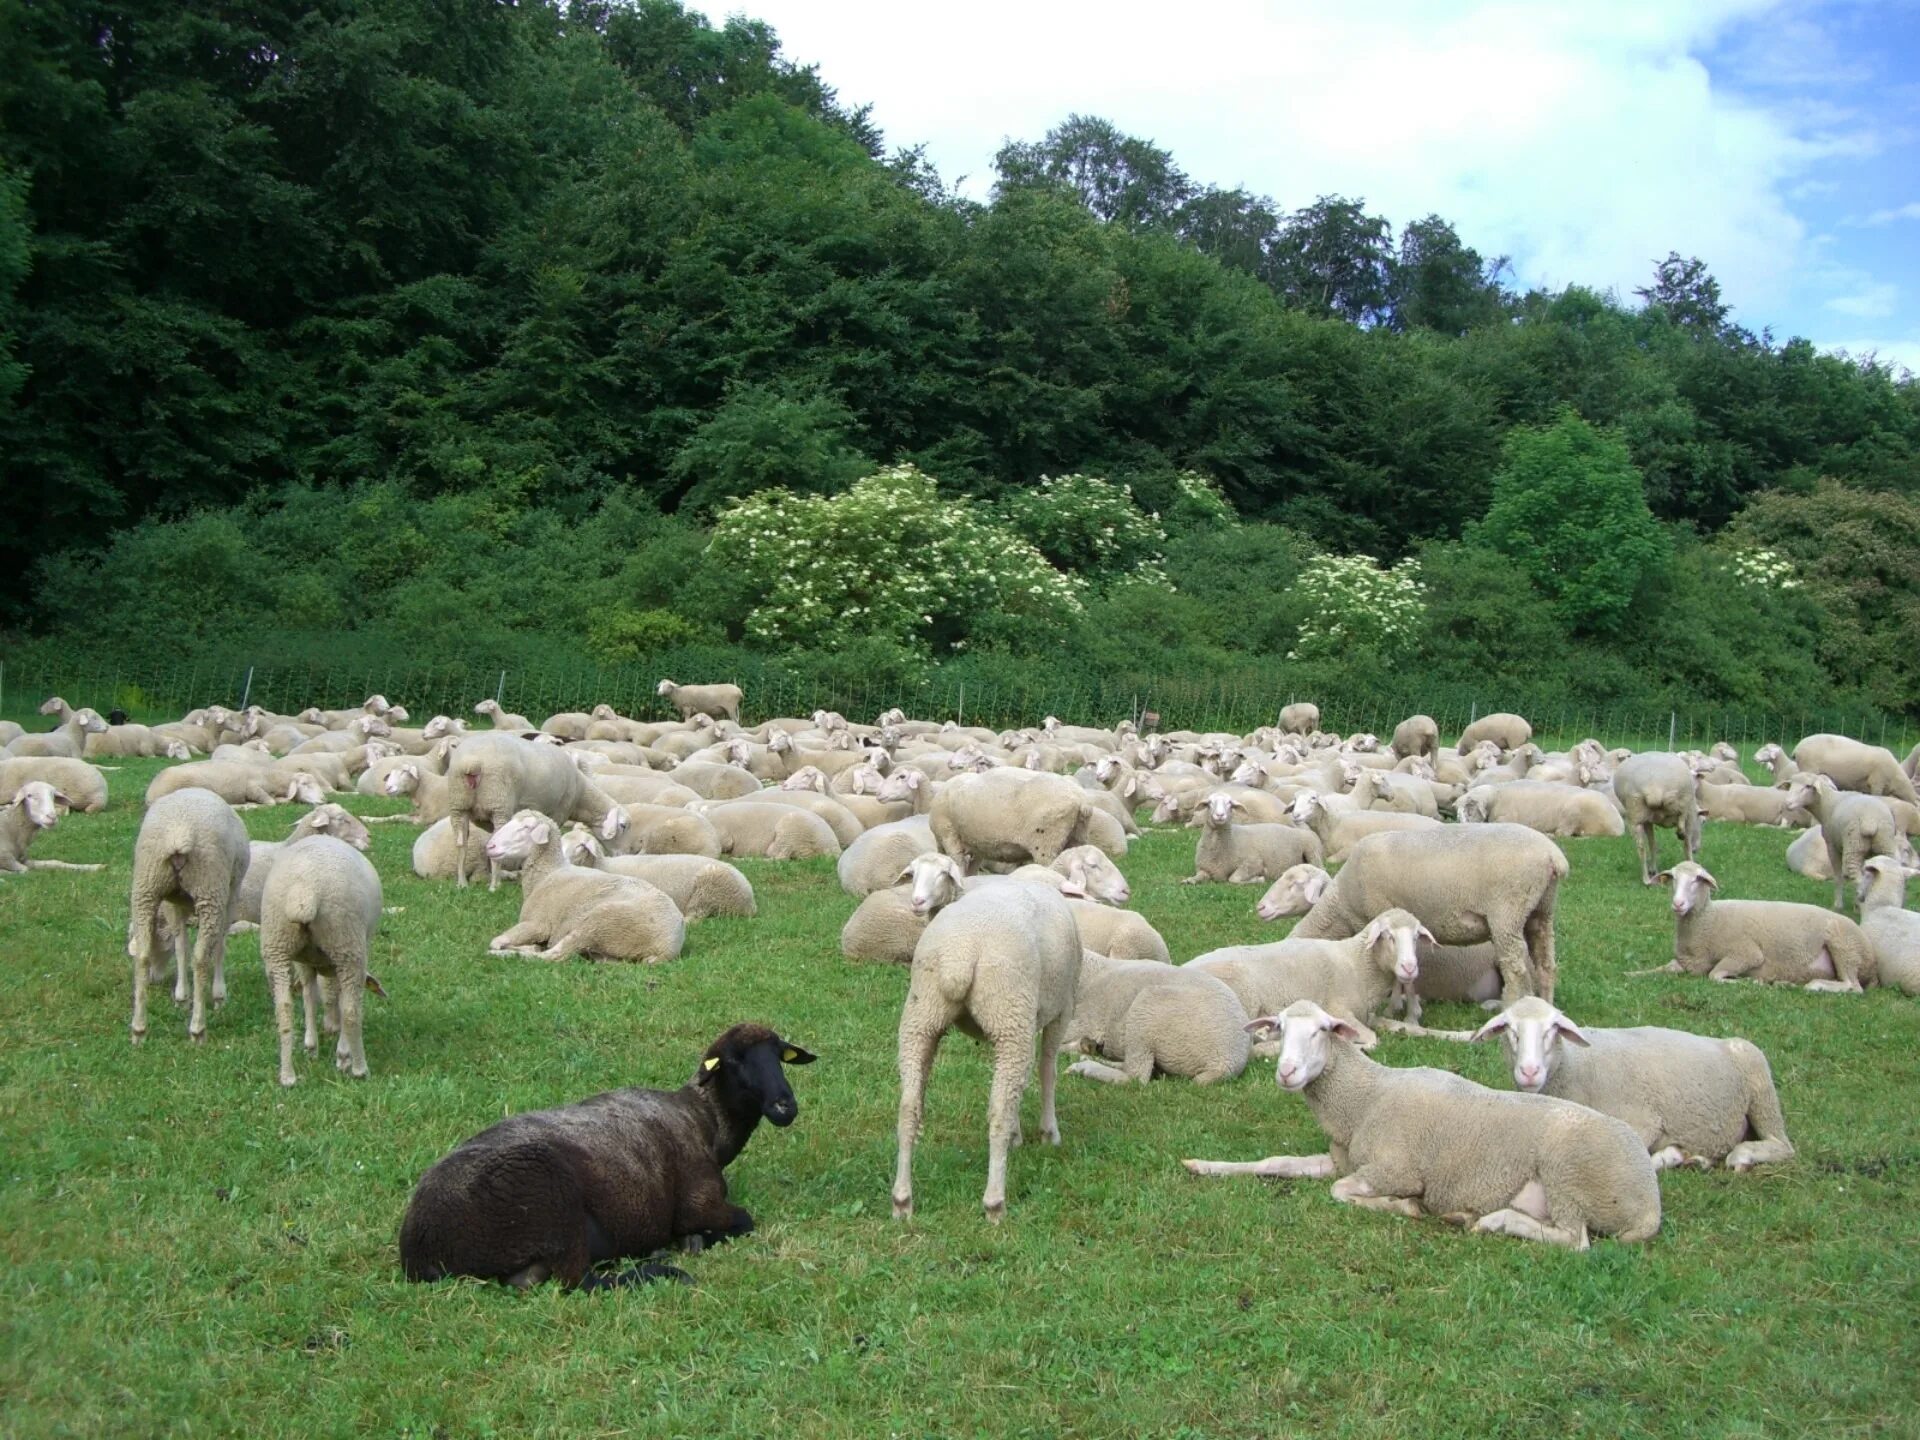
(1777, 139)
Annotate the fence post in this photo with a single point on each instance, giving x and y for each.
(962, 720)
(500, 690)
(1673, 722)
(247, 693)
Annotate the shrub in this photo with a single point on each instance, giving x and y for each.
(1353, 605)
(1089, 527)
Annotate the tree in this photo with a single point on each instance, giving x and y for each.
(1685, 292)
(1332, 258)
(1122, 179)
(1441, 284)
(1235, 228)
(760, 439)
(1570, 510)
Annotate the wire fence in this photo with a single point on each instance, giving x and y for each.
(162, 689)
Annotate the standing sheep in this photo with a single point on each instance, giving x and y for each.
(552, 1193)
(1853, 765)
(1774, 942)
(262, 855)
(189, 859)
(1854, 827)
(1507, 730)
(722, 702)
(1154, 1019)
(1658, 788)
(318, 915)
(1010, 816)
(1416, 735)
(1300, 718)
(493, 777)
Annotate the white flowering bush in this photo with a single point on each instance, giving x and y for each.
(1352, 604)
(1200, 501)
(1090, 527)
(1764, 569)
(888, 558)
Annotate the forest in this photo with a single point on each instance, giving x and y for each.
(485, 333)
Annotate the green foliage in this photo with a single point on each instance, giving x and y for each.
(1353, 606)
(760, 439)
(618, 634)
(1089, 527)
(1568, 507)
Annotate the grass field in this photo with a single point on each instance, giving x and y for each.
(193, 1251)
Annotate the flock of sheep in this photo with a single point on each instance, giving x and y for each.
(987, 862)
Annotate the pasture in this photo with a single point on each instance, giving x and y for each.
(191, 1250)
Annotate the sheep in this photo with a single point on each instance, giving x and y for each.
(1504, 729)
(716, 782)
(236, 784)
(492, 777)
(189, 859)
(318, 915)
(1466, 884)
(567, 909)
(1779, 762)
(1339, 833)
(1853, 826)
(1081, 873)
(118, 741)
(1351, 977)
(775, 832)
(1118, 934)
(34, 806)
(650, 788)
(68, 740)
(1549, 808)
(262, 855)
(722, 702)
(698, 887)
(552, 1193)
(1008, 815)
(1294, 893)
(1749, 805)
(436, 856)
(83, 784)
(336, 742)
(1300, 718)
(1692, 1099)
(1892, 930)
(503, 719)
(1853, 765)
(1403, 794)
(1422, 1141)
(1232, 854)
(875, 860)
(1773, 942)
(567, 725)
(846, 829)
(1416, 735)
(429, 792)
(668, 830)
(1154, 1019)
(1003, 962)
(10, 730)
(1658, 788)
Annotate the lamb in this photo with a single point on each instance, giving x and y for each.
(83, 784)
(189, 859)
(1232, 854)
(1504, 729)
(1300, 718)
(1351, 977)
(1003, 962)
(262, 855)
(875, 860)
(493, 777)
(35, 806)
(552, 1193)
(698, 887)
(1416, 735)
(236, 784)
(1541, 805)
(1772, 941)
(1154, 1019)
(318, 915)
(1749, 805)
(1008, 815)
(503, 719)
(1892, 930)
(722, 702)
(1422, 1141)
(776, 832)
(1466, 884)
(1692, 1099)
(1658, 788)
(1854, 827)
(67, 741)
(1338, 833)
(1852, 765)
(569, 910)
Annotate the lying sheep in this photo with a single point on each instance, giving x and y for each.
(1808, 855)
(1294, 893)
(1154, 1020)
(722, 702)
(1504, 729)
(1010, 816)
(716, 782)
(189, 860)
(1691, 1099)
(552, 1193)
(1892, 930)
(569, 910)
(1549, 808)
(262, 854)
(775, 832)
(1854, 765)
(35, 806)
(438, 856)
(239, 785)
(875, 860)
(1231, 854)
(1774, 942)
(83, 784)
(503, 719)
(1081, 873)
(1339, 833)
(1853, 827)
(130, 741)
(1117, 934)
(699, 887)
(1002, 962)
(1351, 977)
(667, 830)
(1749, 805)
(318, 915)
(1654, 789)
(1427, 1142)
(430, 793)
(67, 741)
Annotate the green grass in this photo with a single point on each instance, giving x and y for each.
(191, 1250)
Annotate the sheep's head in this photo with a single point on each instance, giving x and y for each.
(807, 777)
(526, 833)
(90, 721)
(53, 705)
(336, 821)
(1363, 744)
(780, 743)
(1894, 870)
(901, 785)
(542, 737)
(1691, 884)
(1806, 791)
(1249, 774)
(1166, 808)
(1105, 768)
(1220, 808)
(399, 713)
(743, 1070)
(665, 687)
(369, 725)
(1050, 724)
(1769, 754)
(865, 779)
(309, 716)
(177, 750)
(934, 882)
(739, 752)
(402, 779)
(1303, 1028)
(581, 847)
(1297, 891)
(1086, 873)
(305, 788)
(375, 705)
(1532, 1030)
(603, 711)
(1306, 807)
(1471, 808)
(1393, 938)
(43, 804)
(440, 725)
(615, 824)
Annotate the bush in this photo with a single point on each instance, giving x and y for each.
(1351, 605)
(1089, 527)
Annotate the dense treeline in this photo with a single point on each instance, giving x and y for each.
(404, 301)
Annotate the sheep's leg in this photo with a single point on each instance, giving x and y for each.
(1274, 1167)
(462, 827)
(1538, 932)
(209, 947)
(1645, 843)
(327, 986)
(1735, 967)
(1770, 1145)
(632, 1276)
(282, 973)
(1050, 1041)
(174, 912)
(1096, 1070)
(60, 865)
(141, 944)
(350, 1054)
(1374, 1189)
(518, 939)
(574, 942)
(918, 1042)
(1750, 1153)
(1012, 1063)
(1523, 1226)
(493, 874)
(309, 984)
(1510, 954)
(1672, 967)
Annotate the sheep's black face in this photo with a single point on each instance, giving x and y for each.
(753, 1075)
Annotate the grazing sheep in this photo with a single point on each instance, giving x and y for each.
(35, 806)
(699, 887)
(237, 784)
(570, 910)
(1692, 1099)
(67, 741)
(1658, 788)
(1428, 1142)
(1892, 930)
(1416, 735)
(189, 860)
(83, 784)
(1749, 805)
(1541, 805)
(1294, 893)
(1853, 765)
(1854, 827)
(1232, 854)
(875, 860)
(776, 832)
(1300, 718)
(1351, 977)
(1002, 962)
(722, 702)
(1467, 884)
(318, 915)
(1339, 832)
(1504, 729)
(552, 1193)
(1772, 941)
(1010, 816)
(503, 719)
(1154, 1019)
(493, 777)
(262, 854)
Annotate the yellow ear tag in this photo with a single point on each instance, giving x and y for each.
(789, 1054)
(712, 1062)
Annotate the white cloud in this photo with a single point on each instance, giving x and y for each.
(1902, 212)
(1871, 302)
(1899, 353)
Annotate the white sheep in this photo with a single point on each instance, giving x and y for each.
(429, 792)
(503, 719)
(1237, 854)
(1338, 833)
(1854, 765)
(1892, 930)
(1658, 788)
(567, 909)
(263, 854)
(128, 741)
(493, 777)
(1427, 1142)
(699, 887)
(68, 740)
(1853, 827)
(1416, 735)
(437, 855)
(1541, 805)
(1154, 1019)
(84, 785)
(1003, 963)
(874, 860)
(237, 784)
(1294, 893)
(1749, 805)
(775, 832)
(722, 702)
(1502, 728)
(189, 860)
(318, 915)
(667, 830)
(1351, 977)
(35, 806)
(1692, 1099)
(1011, 816)
(1300, 718)
(1774, 942)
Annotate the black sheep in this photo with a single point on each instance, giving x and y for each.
(626, 1173)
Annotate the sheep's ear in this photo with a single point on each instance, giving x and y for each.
(1497, 1025)
(904, 877)
(1706, 879)
(791, 1054)
(1570, 1031)
(373, 984)
(1074, 886)
(707, 1068)
(60, 798)
(1265, 1028)
(320, 820)
(1427, 935)
(1353, 1030)
(1665, 877)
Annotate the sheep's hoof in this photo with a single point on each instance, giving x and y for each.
(197, 1037)
(1463, 1219)
(288, 1079)
(903, 1207)
(312, 1047)
(1050, 1137)
(138, 1035)
(996, 1211)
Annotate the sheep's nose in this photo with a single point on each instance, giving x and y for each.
(1529, 1075)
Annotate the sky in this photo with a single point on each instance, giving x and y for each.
(1778, 140)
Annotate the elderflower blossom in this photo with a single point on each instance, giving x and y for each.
(1355, 605)
(1090, 527)
(1764, 569)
